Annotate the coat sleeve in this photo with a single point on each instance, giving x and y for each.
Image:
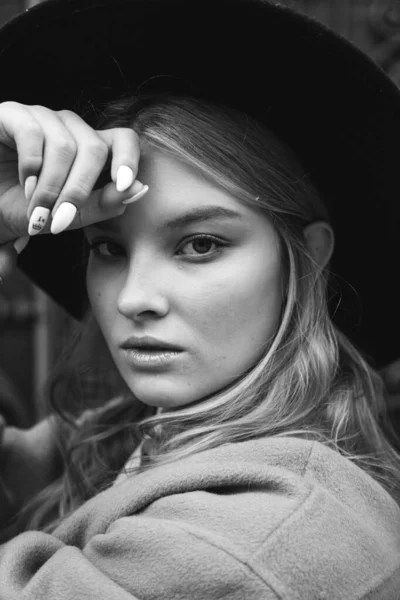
(137, 558)
(29, 460)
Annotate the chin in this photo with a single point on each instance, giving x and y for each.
(159, 391)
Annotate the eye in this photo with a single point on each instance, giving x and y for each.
(201, 245)
(105, 249)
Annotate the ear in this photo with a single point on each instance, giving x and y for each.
(320, 242)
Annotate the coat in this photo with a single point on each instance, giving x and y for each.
(267, 519)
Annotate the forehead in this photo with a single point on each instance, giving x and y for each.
(179, 195)
(175, 187)
(180, 183)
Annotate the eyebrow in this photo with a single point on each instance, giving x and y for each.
(200, 214)
(197, 215)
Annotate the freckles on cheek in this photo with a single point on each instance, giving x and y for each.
(100, 301)
(215, 315)
(98, 289)
(94, 294)
(252, 307)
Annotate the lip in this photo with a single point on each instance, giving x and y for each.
(148, 344)
(143, 358)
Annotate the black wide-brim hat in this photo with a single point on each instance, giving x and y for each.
(337, 110)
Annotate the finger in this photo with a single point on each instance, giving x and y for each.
(108, 203)
(122, 145)
(58, 156)
(103, 204)
(91, 158)
(109, 199)
(125, 152)
(21, 131)
(125, 149)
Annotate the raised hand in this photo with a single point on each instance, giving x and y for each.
(50, 163)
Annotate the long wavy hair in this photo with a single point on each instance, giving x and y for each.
(311, 382)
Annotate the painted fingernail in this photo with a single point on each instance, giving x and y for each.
(38, 220)
(63, 217)
(30, 185)
(137, 196)
(21, 243)
(124, 178)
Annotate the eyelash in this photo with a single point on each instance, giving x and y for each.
(217, 241)
(95, 244)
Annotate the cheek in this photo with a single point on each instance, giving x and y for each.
(102, 297)
(239, 311)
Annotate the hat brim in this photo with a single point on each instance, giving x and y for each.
(336, 109)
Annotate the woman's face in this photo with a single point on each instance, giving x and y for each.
(191, 266)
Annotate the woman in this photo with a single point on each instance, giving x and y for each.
(244, 452)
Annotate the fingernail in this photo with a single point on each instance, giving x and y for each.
(124, 178)
(137, 196)
(30, 185)
(38, 220)
(21, 243)
(63, 217)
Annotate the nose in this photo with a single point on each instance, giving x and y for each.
(143, 295)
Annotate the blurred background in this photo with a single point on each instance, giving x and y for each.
(33, 328)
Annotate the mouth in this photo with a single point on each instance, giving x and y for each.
(150, 358)
(149, 344)
(150, 352)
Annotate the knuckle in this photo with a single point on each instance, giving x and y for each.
(29, 130)
(98, 149)
(40, 107)
(42, 111)
(8, 105)
(32, 130)
(66, 148)
(66, 114)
